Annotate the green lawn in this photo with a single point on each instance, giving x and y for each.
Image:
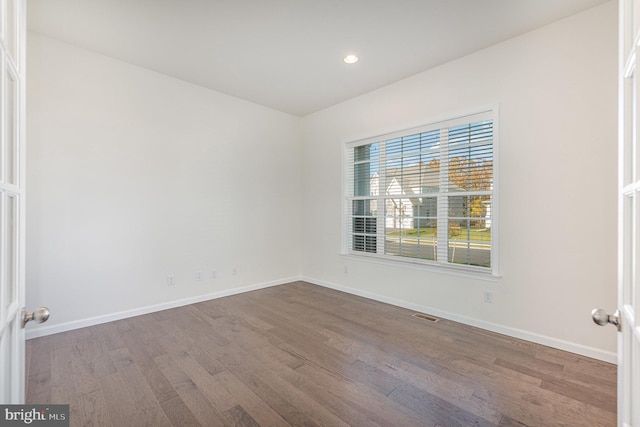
(455, 234)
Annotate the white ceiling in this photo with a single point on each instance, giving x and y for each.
(287, 54)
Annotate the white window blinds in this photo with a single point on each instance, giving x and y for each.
(424, 195)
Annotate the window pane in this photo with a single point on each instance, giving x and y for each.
(11, 244)
(425, 208)
(11, 134)
(430, 140)
(478, 207)
(393, 147)
(411, 160)
(413, 242)
(365, 243)
(367, 152)
(458, 230)
(472, 132)
(410, 227)
(471, 157)
(469, 243)
(364, 207)
(470, 171)
(471, 213)
(470, 254)
(430, 173)
(411, 144)
(410, 175)
(365, 181)
(410, 180)
(364, 226)
(412, 164)
(365, 170)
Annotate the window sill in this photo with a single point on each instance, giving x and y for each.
(448, 269)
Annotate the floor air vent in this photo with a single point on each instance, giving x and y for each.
(426, 317)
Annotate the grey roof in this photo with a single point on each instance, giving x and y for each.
(419, 176)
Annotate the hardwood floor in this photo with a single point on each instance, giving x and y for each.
(304, 355)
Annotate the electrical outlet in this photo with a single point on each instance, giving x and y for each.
(214, 274)
(198, 275)
(171, 280)
(234, 271)
(346, 270)
(488, 296)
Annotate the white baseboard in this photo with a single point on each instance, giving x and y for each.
(594, 353)
(91, 321)
(501, 329)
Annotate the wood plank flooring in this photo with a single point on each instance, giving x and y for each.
(304, 355)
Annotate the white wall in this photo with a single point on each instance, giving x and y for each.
(556, 88)
(133, 175)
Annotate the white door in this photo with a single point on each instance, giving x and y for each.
(12, 64)
(629, 217)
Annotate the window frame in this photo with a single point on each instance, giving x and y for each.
(485, 273)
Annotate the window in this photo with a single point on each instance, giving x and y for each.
(424, 195)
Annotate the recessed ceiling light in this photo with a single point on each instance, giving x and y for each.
(351, 59)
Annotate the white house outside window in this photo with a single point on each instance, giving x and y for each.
(425, 195)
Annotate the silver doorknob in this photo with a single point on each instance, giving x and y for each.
(600, 317)
(41, 315)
